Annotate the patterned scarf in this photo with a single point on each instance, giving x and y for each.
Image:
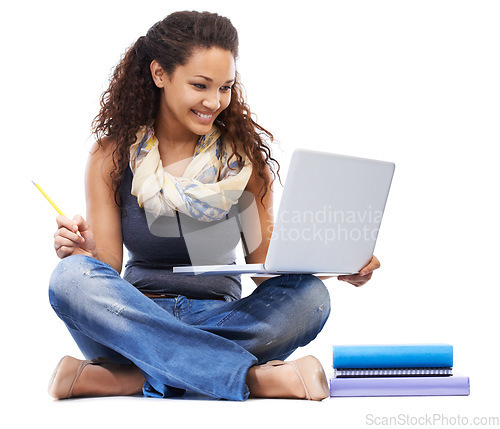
(208, 188)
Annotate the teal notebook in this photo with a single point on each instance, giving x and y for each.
(393, 356)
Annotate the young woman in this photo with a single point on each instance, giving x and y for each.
(177, 152)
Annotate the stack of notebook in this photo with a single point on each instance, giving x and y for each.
(396, 370)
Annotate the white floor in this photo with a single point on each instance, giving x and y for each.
(133, 412)
(23, 408)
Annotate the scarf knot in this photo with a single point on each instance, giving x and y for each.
(208, 189)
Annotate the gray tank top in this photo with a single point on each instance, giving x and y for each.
(175, 241)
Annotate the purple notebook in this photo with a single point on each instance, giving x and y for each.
(400, 386)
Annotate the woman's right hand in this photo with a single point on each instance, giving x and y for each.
(66, 240)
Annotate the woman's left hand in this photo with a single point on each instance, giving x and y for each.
(364, 275)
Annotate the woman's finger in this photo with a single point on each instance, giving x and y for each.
(81, 223)
(372, 266)
(356, 279)
(64, 251)
(60, 241)
(64, 222)
(66, 233)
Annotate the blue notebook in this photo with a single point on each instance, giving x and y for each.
(393, 356)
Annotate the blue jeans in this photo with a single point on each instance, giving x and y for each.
(179, 344)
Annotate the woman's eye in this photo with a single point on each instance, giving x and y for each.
(226, 88)
(199, 85)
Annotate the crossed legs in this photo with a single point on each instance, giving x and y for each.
(203, 346)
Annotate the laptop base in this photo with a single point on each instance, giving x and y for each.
(258, 269)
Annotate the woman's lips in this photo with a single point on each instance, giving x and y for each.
(205, 117)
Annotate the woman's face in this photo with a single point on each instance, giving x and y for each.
(195, 93)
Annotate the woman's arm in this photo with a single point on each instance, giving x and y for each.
(100, 235)
(103, 215)
(257, 220)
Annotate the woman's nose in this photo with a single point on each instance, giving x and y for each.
(212, 101)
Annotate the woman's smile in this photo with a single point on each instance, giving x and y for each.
(204, 117)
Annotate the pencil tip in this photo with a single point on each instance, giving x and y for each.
(33, 182)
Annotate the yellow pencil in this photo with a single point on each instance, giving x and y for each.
(48, 198)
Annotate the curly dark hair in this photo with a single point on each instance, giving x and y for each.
(132, 99)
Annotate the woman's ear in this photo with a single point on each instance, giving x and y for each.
(159, 75)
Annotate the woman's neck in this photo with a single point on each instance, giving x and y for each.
(171, 138)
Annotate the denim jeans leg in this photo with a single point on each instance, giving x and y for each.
(92, 299)
(92, 349)
(282, 314)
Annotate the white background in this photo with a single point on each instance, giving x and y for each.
(412, 82)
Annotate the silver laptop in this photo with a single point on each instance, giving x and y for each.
(328, 219)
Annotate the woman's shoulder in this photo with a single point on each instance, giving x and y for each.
(259, 186)
(260, 175)
(103, 147)
(100, 162)
(101, 153)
